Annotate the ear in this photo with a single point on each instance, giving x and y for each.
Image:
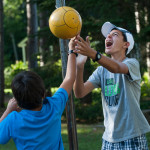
(126, 45)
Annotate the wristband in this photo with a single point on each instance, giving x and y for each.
(71, 51)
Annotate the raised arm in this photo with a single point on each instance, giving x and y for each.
(69, 79)
(80, 88)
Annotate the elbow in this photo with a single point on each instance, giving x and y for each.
(78, 94)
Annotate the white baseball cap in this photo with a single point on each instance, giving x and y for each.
(108, 27)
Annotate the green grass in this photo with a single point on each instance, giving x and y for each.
(89, 138)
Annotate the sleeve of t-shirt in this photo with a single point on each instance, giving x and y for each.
(5, 133)
(134, 69)
(95, 78)
(59, 99)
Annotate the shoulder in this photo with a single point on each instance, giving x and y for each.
(12, 115)
(134, 68)
(58, 100)
(61, 92)
(133, 61)
(10, 120)
(60, 95)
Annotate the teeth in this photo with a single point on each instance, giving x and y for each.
(109, 43)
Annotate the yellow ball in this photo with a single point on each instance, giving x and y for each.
(65, 22)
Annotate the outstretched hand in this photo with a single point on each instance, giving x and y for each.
(83, 47)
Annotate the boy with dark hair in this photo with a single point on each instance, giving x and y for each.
(38, 125)
(119, 79)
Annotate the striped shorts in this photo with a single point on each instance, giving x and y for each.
(137, 143)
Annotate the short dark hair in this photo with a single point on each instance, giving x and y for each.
(28, 89)
(125, 40)
(124, 37)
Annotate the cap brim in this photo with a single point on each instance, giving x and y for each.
(106, 28)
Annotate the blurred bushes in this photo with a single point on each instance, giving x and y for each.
(145, 86)
(145, 92)
(51, 74)
(12, 70)
(90, 113)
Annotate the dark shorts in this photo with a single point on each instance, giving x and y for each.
(137, 143)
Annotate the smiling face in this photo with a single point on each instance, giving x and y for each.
(115, 43)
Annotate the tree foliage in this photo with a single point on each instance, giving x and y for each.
(1, 56)
(14, 23)
(94, 13)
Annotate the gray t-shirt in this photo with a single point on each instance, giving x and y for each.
(123, 118)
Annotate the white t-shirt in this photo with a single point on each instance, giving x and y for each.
(123, 118)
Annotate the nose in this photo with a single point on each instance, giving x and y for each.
(108, 36)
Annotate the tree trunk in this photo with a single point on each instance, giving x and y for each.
(142, 17)
(32, 45)
(1, 56)
(44, 47)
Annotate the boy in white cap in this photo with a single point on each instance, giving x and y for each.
(119, 79)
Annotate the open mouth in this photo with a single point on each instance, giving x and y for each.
(108, 43)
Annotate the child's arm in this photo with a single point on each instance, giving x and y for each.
(69, 79)
(12, 106)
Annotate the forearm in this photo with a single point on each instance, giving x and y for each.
(110, 64)
(79, 83)
(71, 67)
(113, 65)
(69, 79)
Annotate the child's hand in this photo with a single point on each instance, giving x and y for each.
(12, 105)
(83, 47)
(72, 44)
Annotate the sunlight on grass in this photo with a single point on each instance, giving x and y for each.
(89, 137)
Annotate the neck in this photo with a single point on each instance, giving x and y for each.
(37, 109)
(119, 58)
